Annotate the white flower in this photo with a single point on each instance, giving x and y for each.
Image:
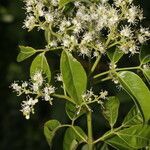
(38, 78)
(101, 48)
(28, 107)
(39, 8)
(58, 77)
(49, 17)
(24, 84)
(53, 43)
(133, 48)
(54, 2)
(103, 94)
(35, 87)
(88, 37)
(143, 35)
(104, 1)
(49, 90)
(17, 88)
(84, 50)
(64, 24)
(77, 26)
(29, 22)
(88, 96)
(126, 31)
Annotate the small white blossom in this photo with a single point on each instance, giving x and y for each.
(29, 22)
(35, 87)
(28, 107)
(126, 31)
(49, 17)
(88, 96)
(54, 2)
(49, 90)
(24, 84)
(58, 77)
(103, 94)
(16, 88)
(38, 78)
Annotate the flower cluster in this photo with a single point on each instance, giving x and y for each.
(36, 88)
(89, 28)
(90, 97)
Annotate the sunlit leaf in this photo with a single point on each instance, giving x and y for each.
(104, 147)
(73, 137)
(145, 54)
(114, 54)
(135, 137)
(74, 76)
(146, 73)
(137, 89)
(50, 129)
(73, 112)
(25, 52)
(40, 64)
(133, 117)
(111, 110)
(62, 3)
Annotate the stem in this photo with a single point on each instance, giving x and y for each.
(90, 136)
(119, 69)
(130, 68)
(101, 74)
(63, 97)
(95, 64)
(107, 135)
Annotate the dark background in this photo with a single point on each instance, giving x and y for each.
(16, 133)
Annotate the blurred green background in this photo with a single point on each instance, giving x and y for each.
(16, 133)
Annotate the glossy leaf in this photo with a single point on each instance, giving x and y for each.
(111, 110)
(50, 129)
(74, 76)
(135, 137)
(146, 73)
(137, 89)
(73, 112)
(145, 54)
(62, 3)
(134, 117)
(114, 54)
(104, 147)
(72, 138)
(85, 147)
(40, 64)
(25, 52)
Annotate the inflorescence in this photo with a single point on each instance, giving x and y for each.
(89, 28)
(34, 89)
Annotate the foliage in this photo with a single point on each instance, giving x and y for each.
(77, 81)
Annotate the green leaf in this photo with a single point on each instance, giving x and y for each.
(135, 137)
(74, 76)
(25, 52)
(62, 3)
(146, 73)
(104, 147)
(145, 54)
(133, 117)
(72, 138)
(137, 89)
(40, 64)
(114, 54)
(84, 147)
(111, 110)
(73, 112)
(50, 129)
